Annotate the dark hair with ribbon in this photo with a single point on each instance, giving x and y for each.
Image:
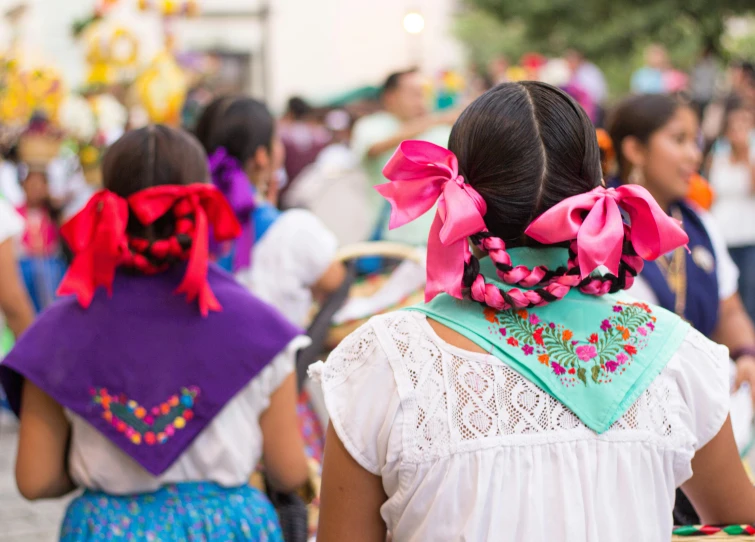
(206, 120)
(524, 169)
(241, 126)
(231, 130)
(156, 210)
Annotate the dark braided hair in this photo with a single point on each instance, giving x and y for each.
(526, 147)
(154, 156)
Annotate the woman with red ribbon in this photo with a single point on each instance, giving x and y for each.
(528, 398)
(157, 383)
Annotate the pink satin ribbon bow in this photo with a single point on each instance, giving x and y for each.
(594, 220)
(420, 175)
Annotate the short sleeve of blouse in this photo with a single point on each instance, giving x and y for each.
(11, 223)
(701, 370)
(361, 397)
(313, 245)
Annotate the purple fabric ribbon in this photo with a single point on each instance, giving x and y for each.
(233, 183)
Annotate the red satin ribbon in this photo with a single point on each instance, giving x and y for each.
(208, 206)
(97, 237)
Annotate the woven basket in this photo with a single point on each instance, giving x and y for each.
(38, 149)
(369, 286)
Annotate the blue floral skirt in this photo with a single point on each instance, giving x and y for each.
(197, 512)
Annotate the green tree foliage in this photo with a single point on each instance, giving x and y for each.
(611, 33)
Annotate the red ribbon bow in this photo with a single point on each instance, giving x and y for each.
(208, 206)
(97, 237)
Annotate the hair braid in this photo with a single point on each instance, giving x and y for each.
(553, 284)
(150, 256)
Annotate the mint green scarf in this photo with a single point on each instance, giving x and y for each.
(596, 355)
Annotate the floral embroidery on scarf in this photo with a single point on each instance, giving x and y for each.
(598, 357)
(142, 425)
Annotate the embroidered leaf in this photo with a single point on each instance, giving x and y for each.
(553, 344)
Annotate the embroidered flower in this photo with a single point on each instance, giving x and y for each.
(557, 347)
(522, 314)
(587, 352)
(651, 325)
(490, 315)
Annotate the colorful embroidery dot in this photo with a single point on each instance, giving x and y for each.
(155, 425)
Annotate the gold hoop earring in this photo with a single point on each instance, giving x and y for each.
(636, 176)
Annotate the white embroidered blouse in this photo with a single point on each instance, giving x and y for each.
(470, 450)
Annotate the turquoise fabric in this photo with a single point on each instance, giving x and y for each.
(596, 355)
(192, 511)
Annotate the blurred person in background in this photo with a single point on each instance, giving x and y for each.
(302, 135)
(589, 77)
(16, 311)
(656, 141)
(703, 79)
(289, 259)
(334, 187)
(375, 137)
(732, 174)
(649, 79)
(739, 84)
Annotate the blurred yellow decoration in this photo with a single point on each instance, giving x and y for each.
(110, 52)
(453, 81)
(516, 73)
(170, 8)
(24, 92)
(162, 90)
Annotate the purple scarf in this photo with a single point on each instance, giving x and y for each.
(143, 367)
(230, 179)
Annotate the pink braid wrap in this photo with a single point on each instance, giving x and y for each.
(421, 173)
(594, 220)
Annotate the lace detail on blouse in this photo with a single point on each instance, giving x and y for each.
(463, 400)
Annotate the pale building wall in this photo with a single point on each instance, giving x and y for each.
(316, 48)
